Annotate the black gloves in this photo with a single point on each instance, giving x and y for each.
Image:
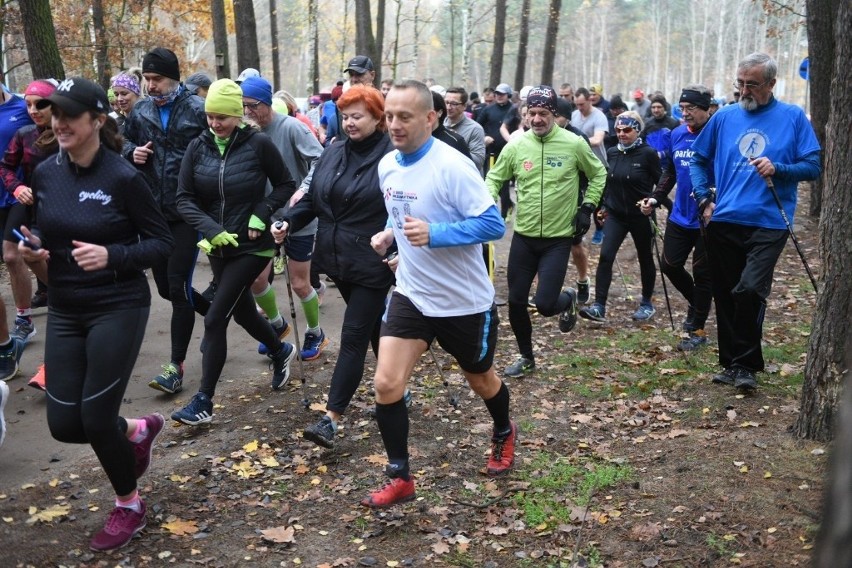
(583, 219)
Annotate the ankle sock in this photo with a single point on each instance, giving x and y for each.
(134, 503)
(140, 432)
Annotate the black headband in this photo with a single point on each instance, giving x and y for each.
(701, 100)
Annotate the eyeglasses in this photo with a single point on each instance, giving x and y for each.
(625, 130)
(740, 85)
(453, 104)
(252, 106)
(688, 108)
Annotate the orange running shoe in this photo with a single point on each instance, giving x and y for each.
(502, 456)
(37, 382)
(397, 490)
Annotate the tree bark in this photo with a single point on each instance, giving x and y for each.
(102, 67)
(220, 39)
(365, 41)
(820, 22)
(40, 37)
(523, 45)
(313, 22)
(832, 322)
(550, 42)
(379, 48)
(246, 25)
(273, 32)
(499, 43)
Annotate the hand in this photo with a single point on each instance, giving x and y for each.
(225, 238)
(89, 257)
(300, 193)
(382, 241)
(705, 209)
(27, 253)
(489, 140)
(254, 234)
(601, 215)
(205, 246)
(392, 261)
(647, 205)
(279, 231)
(255, 227)
(764, 167)
(24, 195)
(141, 153)
(583, 219)
(416, 231)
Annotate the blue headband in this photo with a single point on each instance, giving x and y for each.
(627, 121)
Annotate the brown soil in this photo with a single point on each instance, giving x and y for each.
(716, 479)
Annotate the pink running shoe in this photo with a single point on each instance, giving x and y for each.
(120, 528)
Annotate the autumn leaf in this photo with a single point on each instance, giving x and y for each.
(250, 447)
(49, 514)
(181, 528)
(440, 548)
(279, 534)
(377, 459)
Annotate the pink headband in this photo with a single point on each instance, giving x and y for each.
(41, 89)
(128, 82)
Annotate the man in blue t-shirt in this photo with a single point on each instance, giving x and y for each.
(683, 233)
(747, 147)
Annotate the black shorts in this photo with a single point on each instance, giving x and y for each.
(299, 248)
(18, 214)
(471, 339)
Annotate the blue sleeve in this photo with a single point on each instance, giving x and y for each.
(488, 226)
(699, 166)
(807, 169)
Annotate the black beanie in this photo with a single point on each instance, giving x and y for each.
(163, 62)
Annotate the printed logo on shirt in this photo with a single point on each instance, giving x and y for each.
(684, 156)
(528, 165)
(96, 196)
(752, 144)
(399, 195)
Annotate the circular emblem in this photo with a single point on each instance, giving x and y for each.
(528, 165)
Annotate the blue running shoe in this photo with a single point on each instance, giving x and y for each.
(598, 237)
(313, 345)
(281, 365)
(198, 411)
(644, 312)
(10, 357)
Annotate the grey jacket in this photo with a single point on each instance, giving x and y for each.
(474, 135)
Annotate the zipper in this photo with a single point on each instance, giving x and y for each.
(541, 192)
(222, 180)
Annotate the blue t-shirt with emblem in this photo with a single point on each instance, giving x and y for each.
(778, 131)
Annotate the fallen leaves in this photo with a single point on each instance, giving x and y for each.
(279, 535)
(178, 527)
(48, 515)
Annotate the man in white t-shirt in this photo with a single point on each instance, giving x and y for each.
(439, 213)
(591, 122)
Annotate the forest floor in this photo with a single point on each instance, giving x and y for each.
(628, 457)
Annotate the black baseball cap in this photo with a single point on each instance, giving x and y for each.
(359, 64)
(76, 95)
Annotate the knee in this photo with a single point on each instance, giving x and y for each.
(670, 269)
(388, 388)
(11, 256)
(66, 430)
(214, 324)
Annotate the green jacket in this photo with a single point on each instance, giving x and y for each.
(547, 181)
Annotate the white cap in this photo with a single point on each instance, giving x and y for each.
(525, 90)
(246, 73)
(438, 89)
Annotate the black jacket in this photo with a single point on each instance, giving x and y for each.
(220, 192)
(348, 218)
(186, 122)
(631, 178)
(108, 204)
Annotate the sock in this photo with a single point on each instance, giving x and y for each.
(266, 301)
(315, 330)
(585, 281)
(393, 425)
(24, 313)
(277, 322)
(138, 432)
(310, 306)
(134, 502)
(498, 407)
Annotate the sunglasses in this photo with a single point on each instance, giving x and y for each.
(624, 130)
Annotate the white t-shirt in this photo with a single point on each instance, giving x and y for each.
(441, 187)
(595, 122)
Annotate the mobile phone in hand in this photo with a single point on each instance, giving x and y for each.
(25, 240)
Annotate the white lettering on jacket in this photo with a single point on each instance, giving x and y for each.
(96, 195)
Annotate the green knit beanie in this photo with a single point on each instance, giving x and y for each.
(224, 97)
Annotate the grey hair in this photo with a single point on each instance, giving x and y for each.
(423, 92)
(757, 59)
(701, 89)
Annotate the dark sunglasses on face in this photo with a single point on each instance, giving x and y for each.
(624, 130)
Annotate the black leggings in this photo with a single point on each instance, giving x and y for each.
(233, 299)
(616, 229)
(529, 256)
(697, 288)
(362, 323)
(173, 277)
(88, 359)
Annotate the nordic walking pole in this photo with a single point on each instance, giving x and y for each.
(305, 402)
(793, 238)
(628, 296)
(454, 399)
(655, 230)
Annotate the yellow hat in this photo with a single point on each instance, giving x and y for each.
(596, 89)
(224, 97)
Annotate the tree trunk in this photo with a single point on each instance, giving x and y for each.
(379, 48)
(550, 42)
(832, 324)
(365, 41)
(40, 36)
(273, 32)
(313, 22)
(820, 19)
(220, 39)
(246, 26)
(499, 43)
(523, 45)
(102, 68)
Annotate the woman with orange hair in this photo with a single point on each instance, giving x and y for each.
(345, 196)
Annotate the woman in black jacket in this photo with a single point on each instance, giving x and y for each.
(634, 168)
(99, 228)
(345, 197)
(221, 193)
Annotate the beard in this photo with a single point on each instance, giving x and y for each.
(748, 104)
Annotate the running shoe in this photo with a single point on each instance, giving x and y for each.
(644, 312)
(170, 380)
(280, 365)
(598, 237)
(725, 377)
(595, 312)
(502, 456)
(696, 340)
(10, 357)
(321, 292)
(313, 345)
(198, 411)
(744, 379)
(519, 368)
(4, 398)
(24, 329)
(568, 317)
(281, 331)
(397, 490)
(38, 380)
(322, 433)
(39, 300)
(142, 450)
(120, 528)
(210, 292)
